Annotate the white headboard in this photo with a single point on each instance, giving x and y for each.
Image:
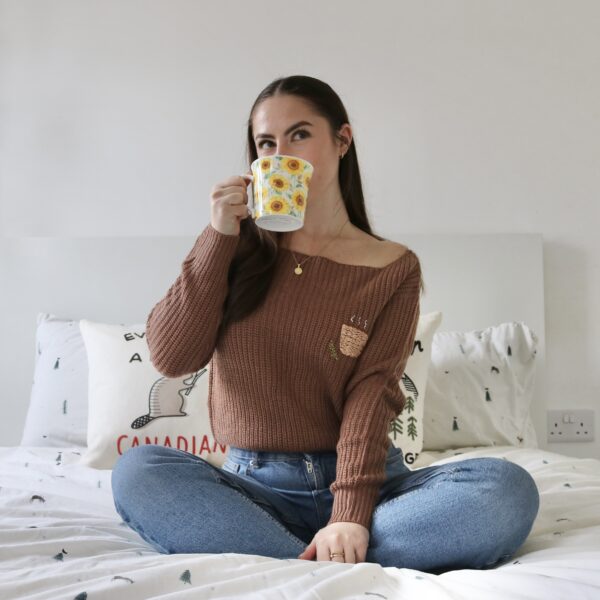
(475, 280)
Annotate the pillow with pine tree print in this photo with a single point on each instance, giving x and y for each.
(406, 430)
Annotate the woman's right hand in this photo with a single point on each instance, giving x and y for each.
(229, 203)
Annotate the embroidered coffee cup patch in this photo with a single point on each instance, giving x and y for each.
(352, 340)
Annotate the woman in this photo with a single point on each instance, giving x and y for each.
(308, 333)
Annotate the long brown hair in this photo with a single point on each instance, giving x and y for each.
(252, 267)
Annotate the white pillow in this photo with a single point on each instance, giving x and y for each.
(57, 413)
(406, 431)
(131, 403)
(480, 388)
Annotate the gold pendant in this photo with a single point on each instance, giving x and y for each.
(298, 270)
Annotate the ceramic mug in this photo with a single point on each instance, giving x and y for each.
(280, 191)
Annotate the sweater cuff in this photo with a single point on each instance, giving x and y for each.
(355, 505)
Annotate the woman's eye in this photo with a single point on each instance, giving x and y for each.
(302, 131)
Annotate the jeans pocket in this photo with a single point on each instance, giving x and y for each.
(239, 466)
(280, 474)
(259, 492)
(230, 466)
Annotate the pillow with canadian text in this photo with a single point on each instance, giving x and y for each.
(131, 404)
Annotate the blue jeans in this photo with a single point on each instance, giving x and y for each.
(473, 514)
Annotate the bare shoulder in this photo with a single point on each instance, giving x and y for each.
(372, 252)
(386, 252)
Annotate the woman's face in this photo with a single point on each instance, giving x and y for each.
(273, 134)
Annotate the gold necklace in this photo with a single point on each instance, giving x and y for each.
(298, 269)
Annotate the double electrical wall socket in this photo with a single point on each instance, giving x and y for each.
(570, 425)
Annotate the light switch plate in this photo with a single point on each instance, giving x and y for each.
(570, 425)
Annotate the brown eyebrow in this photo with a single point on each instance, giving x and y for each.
(288, 130)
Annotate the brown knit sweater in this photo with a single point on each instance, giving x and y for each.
(315, 368)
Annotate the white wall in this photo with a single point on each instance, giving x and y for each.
(117, 117)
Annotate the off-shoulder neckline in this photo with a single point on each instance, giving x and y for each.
(347, 265)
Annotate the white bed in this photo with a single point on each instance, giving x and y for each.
(61, 537)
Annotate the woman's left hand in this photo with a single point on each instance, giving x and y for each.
(351, 538)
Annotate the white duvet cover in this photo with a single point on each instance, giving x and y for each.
(61, 537)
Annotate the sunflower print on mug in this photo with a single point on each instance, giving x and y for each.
(281, 185)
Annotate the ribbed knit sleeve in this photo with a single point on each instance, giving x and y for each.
(373, 398)
(181, 329)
